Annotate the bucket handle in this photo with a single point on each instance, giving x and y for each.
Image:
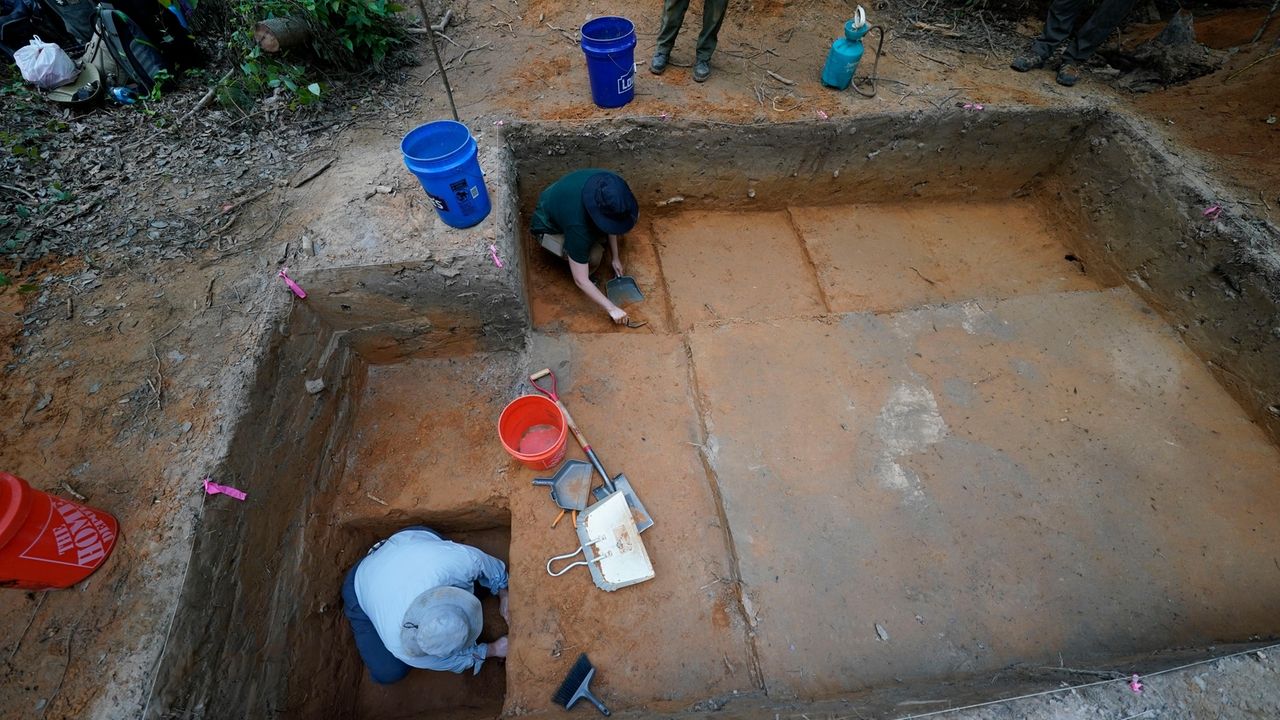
(570, 566)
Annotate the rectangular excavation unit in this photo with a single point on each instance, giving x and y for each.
(919, 399)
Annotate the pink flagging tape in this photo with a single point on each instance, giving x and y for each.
(284, 275)
(1212, 212)
(493, 253)
(213, 488)
(1135, 684)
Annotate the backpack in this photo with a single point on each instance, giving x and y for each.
(38, 17)
(137, 57)
(148, 41)
(76, 16)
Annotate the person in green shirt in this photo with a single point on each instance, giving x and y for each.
(576, 215)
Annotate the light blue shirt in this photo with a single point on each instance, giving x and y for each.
(408, 564)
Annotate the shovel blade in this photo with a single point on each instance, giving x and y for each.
(623, 290)
(621, 484)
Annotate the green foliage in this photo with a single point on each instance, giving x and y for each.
(17, 88)
(347, 34)
(27, 142)
(367, 29)
(16, 242)
(161, 77)
(4, 280)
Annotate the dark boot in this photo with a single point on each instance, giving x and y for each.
(1068, 74)
(1027, 63)
(701, 70)
(660, 60)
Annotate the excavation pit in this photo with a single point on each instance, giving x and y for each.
(918, 401)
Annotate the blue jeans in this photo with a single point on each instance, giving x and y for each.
(384, 667)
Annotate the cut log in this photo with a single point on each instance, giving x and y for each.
(276, 34)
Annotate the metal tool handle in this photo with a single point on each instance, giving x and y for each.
(534, 378)
(544, 481)
(573, 426)
(570, 566)
(596, 701)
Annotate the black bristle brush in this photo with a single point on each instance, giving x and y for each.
(576, 686)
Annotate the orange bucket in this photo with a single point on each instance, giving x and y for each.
(47, 542)
(533, 431)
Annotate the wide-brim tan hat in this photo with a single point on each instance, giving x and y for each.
(87, 88)
(441, 622)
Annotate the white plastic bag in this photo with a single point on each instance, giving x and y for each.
(45, 64)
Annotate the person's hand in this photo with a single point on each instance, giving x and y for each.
(619, 315)
(617, 267)
(504, 604)
(498, 648)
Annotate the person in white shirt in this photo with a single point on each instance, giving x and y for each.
(411, 604)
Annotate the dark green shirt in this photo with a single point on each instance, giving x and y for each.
(560, 212)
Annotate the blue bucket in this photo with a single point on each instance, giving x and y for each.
(443, 156)
(609, 44)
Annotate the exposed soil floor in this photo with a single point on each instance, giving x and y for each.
(992, 461)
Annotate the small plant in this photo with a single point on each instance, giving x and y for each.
(366, 28)
(161, 77)
(349, 34)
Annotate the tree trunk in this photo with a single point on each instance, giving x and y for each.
(278, 34)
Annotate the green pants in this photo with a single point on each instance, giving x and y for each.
(673, 17)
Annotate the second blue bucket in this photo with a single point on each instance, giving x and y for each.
(609, 44)
(443, 156)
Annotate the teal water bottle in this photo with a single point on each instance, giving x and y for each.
(842, 62)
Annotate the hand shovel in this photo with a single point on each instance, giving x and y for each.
(622, 290)
(570, 487)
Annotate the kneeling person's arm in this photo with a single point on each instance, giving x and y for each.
(469, 659)
(582, 278)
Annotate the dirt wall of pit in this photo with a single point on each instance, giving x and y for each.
(718, 166)
(398, 282)
(260, 592)
(1139, 215)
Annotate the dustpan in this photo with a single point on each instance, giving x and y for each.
(610, 545)
(622, 290)
(571, 485)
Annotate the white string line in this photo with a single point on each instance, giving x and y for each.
(1086, 685)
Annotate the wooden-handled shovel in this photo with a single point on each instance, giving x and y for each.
(611, 485)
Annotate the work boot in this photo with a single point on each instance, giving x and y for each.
(659, 63)
(1026, 63)
(701, 70)
(1068, 74)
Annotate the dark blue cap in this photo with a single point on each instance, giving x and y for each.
(610, 203)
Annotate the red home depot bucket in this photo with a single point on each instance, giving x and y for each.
(47, 542)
